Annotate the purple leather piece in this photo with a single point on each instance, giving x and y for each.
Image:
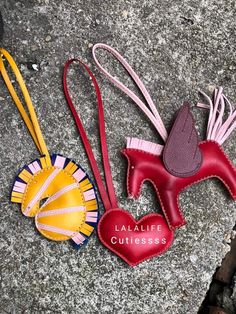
(182, 156)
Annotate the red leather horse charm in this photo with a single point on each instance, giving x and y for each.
(144, 166)
(185, 163)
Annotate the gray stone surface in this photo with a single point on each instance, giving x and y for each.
(176, 47)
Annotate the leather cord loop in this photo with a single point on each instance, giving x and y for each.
(30, 119)
(151, 113)
(106, 190)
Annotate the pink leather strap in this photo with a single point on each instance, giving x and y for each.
(106, 190)
(151, 113)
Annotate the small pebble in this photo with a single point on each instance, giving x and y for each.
(35, 67)
(233, 234)
(48, 38)
(211, 88)
(227, 237)
(125, 14)
(193, 258)
(34, 48)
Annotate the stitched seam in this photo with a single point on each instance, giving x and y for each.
(186, 174)
(229, 161)
(58, 238)
(193, 129)
(158, 194)
(187, 186)
(201, 143)
(30, 181)
(163, 207)
(208, 177)
(139, 150)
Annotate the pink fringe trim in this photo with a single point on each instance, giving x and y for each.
(220, 125)
(153, 148)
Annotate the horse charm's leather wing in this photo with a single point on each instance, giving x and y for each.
(182, 156)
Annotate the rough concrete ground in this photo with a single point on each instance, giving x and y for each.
(176, 47)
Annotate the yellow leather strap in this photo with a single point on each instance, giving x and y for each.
(30, 120)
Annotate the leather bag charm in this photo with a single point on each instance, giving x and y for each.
(53, 189)
(134, 241)
(182, 161)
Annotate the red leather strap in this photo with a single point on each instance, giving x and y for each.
(106, 190)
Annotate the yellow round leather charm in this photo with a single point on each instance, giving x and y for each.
(53, 189)
(61, 197)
